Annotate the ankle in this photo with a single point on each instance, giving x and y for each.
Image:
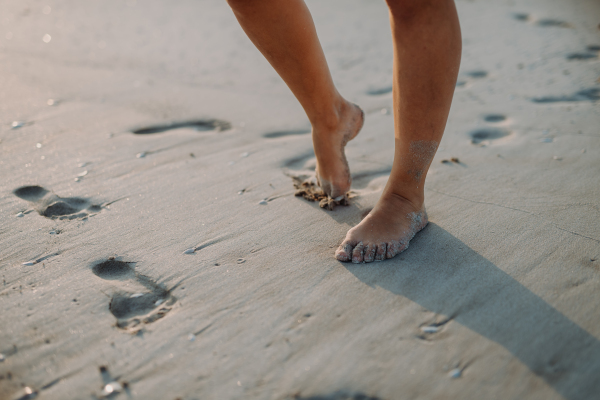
(329, 119)
(410, 198)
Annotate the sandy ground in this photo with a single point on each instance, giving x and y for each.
(496, 299)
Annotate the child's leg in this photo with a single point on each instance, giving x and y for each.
(285, 34)
(427, 48)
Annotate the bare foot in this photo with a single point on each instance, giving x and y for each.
(333, 173)
(385, 231)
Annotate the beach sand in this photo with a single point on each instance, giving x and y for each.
(178, 263)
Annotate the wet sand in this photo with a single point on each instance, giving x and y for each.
(151, 240)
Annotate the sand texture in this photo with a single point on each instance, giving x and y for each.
(150, 234)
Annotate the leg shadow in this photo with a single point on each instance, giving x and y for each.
(444, 275)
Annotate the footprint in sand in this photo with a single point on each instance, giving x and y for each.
(591, 94)
(477, 74)
(521, 17)
(201, 125)
(592, 53)
(379, 91)
(339, 395)
(582, 56)
(484, 136)
(544, 22)
(52, 206)
(134, 306)
(293, 132)
(494, 118)
(471, 75)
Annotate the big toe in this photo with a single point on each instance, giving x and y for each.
(335, 190)
(344, 252)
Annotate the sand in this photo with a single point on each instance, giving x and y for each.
(179, 264)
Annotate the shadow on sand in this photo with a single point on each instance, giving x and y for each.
(444, 275)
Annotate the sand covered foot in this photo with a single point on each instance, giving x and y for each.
(384, 232)
(333, 173)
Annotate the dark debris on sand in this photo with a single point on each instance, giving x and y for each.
(311, 192)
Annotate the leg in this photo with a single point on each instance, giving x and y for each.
(427, 47)
(285, 34)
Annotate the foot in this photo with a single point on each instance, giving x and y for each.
(333, 173)
(385, 231)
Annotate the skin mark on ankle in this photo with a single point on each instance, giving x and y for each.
(421, 154)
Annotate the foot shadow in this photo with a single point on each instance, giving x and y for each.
(444, 275)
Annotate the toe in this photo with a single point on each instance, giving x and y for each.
(338, 192)
(344, 252)
(380, 253)
(357, 253)
(369, 252)
(393, 248)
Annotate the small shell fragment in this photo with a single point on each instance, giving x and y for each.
(133, 296)
(429, 329)
(110, 388)
(77, 179)
(29, 263)
(241, 260)
(263, 202)
(455, 373)
(557, 158)
(38, 145)
(141, 155)
(20, 214)
(191, 337)
(17, 124)
(51, 102)
(2, 357)
(84, 173)
(191, 250)
(159, 302)
(83, 164)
